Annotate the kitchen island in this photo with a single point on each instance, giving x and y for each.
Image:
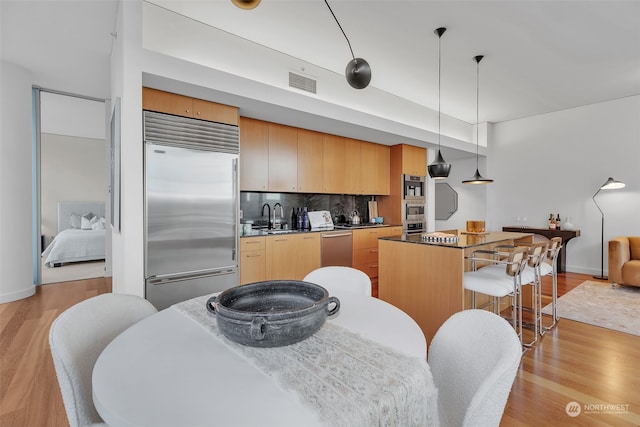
(425, 279)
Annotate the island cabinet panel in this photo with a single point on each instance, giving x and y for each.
(283, 158)
(414, 160)
(180, 105)
(252, 260)
(254, 155)
(424, 281)
(334, 164)
(310, 161)
(292, 256)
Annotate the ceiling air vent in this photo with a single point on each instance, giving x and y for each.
(301, 82)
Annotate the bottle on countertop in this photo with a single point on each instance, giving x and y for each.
(294, 219)
(552, 222)
(305, 219)
(300, 219)
(558, 222)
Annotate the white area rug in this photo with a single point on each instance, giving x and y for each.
(600, 305)
(72, 271)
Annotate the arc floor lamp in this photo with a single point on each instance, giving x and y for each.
(609, 184)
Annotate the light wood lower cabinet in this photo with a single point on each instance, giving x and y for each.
(253, 265)
(365, 248)
(292, 256)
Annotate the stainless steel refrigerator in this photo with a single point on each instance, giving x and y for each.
(191, 208)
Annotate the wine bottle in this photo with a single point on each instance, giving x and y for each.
(305, 219)
(558, 222)
(300, 219)
(294, 219)
(552, 222)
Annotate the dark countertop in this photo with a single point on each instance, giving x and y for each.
(464, 240)
(340, 227)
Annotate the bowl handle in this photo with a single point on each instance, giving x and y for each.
(334, 310)
(211, 304)
(258, 328)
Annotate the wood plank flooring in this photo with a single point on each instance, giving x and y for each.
(574, 362)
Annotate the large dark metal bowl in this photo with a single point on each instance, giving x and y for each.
(272, 313)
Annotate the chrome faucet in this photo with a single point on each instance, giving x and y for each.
(269, 223)
(275, 207)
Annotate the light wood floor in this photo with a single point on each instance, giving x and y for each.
(574, 362)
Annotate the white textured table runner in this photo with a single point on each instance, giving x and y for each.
(346, 379)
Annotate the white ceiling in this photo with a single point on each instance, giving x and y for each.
(540, 56)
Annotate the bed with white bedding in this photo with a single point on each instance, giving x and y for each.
(81, 234)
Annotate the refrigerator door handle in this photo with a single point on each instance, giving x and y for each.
(168, 278)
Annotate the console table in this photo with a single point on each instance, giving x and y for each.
(565, 234)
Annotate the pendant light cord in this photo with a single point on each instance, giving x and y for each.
(477, 110)
(340, 26)
(439, 85)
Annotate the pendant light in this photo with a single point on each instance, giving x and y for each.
(439, 169)
(246, 4)
(358, 71)
(477, 178)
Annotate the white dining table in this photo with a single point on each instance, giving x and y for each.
(168, 370)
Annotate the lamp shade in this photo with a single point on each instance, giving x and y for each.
(477, 179)
(612, 184)
(246, 4)
(439, 169)
(358, 73)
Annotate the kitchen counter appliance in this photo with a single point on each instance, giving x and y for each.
(191, 202)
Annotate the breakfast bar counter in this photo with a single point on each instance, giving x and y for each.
(425, 279)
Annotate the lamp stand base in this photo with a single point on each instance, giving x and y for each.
(601, 277)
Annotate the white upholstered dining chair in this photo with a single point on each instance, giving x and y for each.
(474, 357)
(338, 280)
(78, 336)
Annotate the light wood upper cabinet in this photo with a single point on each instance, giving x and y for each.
(382, 170)
(310, 160)
(353, 173)
(283, 158)
(254, 152)
(334, 164)
(414, 160)
(180, 105)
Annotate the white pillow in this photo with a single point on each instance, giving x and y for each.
(74, 221)
(85, 221)
(98, 225)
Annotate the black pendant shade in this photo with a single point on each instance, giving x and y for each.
(439, 169)
(246, 4)
(477, 178)
(358, 73)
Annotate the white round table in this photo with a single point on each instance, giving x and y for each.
(168, 370)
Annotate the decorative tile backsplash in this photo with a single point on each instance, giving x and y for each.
(340, 205)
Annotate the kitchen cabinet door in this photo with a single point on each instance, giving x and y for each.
(254, 152)
(382, 168)
(214, 112)
(308, 254)
(252, 260)
(310, 160)
(414, 160)
(368, 170)
(281, 257)
(334, 164)
(166, 102)
(353, 171)
(283, 158)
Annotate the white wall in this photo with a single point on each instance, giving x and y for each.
(554, 163)
(71, 169)
(16, 233)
